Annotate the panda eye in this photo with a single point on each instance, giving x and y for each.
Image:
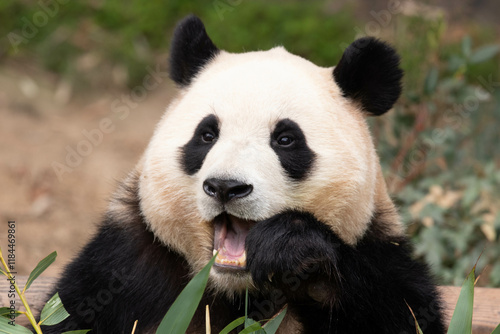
(208, 137)
(285, 141)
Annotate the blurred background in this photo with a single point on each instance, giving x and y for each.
(83, 83)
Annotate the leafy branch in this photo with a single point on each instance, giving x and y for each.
(52, 313)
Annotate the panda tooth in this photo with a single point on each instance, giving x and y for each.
(239, 262)
(214, 252)
(242, 260)
(219, 259)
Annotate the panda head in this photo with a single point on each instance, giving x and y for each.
(255, 134)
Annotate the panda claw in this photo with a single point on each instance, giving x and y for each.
(270, 277)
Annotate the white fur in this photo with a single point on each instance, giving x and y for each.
(249, 93)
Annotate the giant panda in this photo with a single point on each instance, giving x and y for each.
(266, 159)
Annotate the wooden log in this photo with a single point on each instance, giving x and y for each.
(486, 314)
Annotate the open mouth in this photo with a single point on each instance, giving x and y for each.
(229, 240)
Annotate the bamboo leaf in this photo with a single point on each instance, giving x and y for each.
(431, 81)
(40, 268)
(484, 53)
(178, 317)
(272, 325)
(53, 312)
(466, 46)
(252, 328)
(461, 321)
(5, 312)
(248, 321)
(496, 330)
(81, 331)
(6, 328)
(233, 325)
(417, 326)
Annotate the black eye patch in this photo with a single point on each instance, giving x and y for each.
(204, 138)
(289, 143)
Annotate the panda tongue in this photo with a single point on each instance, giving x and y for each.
(234, 243)
(229, 240)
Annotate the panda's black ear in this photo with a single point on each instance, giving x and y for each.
(369, 73)
(190, 50)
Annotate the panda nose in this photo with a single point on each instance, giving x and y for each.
(226, 190)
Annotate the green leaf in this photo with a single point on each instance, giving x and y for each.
(40, 268)
(5, 312)
(466, 46)
(495, 274)
(470, 195)
(178, 317)
(455, 63)
(6, 328)
(53, 312)
(81, 331)
(431, 81)
(233, 325)
(461, 322)
(252, 328)
(417, 326)
(484, 53)
(496, 330)
(248, 321)
(272, 325)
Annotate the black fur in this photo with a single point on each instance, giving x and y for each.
(124, 275)
(195, 151)
(336, 288)
(297, 158)
(191, 49)
(369, 73)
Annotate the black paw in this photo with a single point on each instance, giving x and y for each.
(292, 251)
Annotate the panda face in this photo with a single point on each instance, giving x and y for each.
(253, 135)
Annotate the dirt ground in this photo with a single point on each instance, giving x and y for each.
(56, 209)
